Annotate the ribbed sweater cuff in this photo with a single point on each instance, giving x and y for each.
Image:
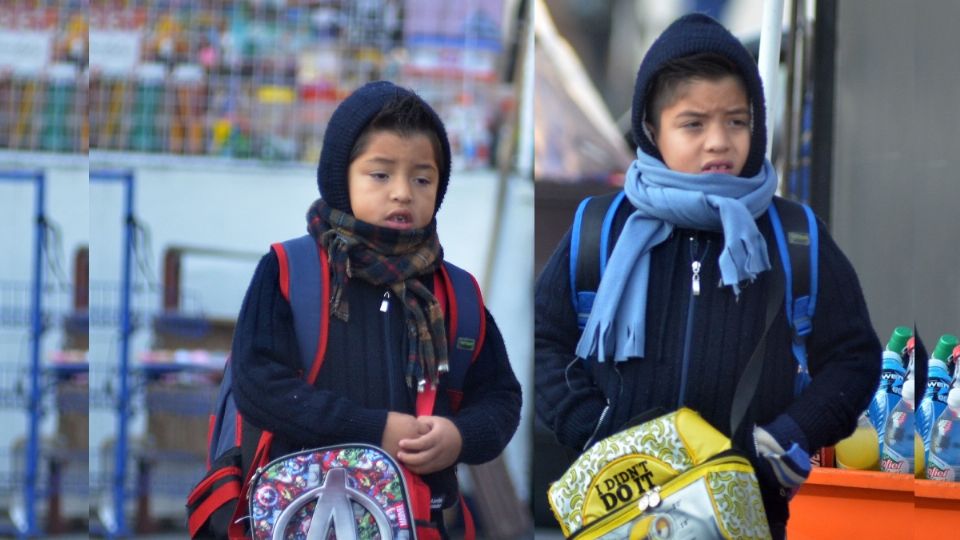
(477, 442)
(365, 426)
(580, 422)
(786, 431)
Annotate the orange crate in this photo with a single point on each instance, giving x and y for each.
(843, 504)
(937, 509)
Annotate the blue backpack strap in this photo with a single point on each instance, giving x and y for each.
(795, 229)
(466, 326)
(591, 242)
(224, 432)
(300, 263)
(300, 267)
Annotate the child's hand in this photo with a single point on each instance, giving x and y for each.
(433, 451)
(400, 426)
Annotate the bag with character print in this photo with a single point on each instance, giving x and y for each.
(672, 477)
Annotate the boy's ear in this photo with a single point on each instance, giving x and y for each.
(651, 131)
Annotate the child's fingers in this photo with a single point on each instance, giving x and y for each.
(419, 444)
(418, 462)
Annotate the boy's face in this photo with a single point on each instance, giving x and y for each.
(393, 182)
(706, 129)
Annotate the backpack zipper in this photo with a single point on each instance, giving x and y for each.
(695, 266)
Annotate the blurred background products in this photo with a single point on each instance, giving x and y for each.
(255, 79)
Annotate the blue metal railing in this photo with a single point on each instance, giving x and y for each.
(119, 526)
(29, 527)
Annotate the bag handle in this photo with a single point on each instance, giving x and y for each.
(750, 379)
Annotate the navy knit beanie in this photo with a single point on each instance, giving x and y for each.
(693, 34)
(345, 126)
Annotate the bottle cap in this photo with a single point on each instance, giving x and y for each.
(893, 362)
(953, 398)
(908, 391)
(944, 347)
(898, 339)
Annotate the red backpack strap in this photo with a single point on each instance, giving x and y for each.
(238, 527)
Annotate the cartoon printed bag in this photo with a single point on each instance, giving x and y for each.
(350, 491)
(675, 476)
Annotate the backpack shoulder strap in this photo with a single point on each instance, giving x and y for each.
(466, 324)
(304, 276)
(591, 243)
(795, 230)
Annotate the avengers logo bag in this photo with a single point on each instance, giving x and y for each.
(347, 492)
(675, 477)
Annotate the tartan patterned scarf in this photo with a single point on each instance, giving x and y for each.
(394, 259)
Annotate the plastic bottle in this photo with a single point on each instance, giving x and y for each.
(938, 385)
(898, 439)
(891, 381)
(943, 462)
(861, 450)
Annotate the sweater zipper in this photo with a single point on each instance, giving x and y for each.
(387, 343)
(695, 265)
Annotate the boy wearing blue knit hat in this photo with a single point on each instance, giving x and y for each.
(681, 303)
(383, 173)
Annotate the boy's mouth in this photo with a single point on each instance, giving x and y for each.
(718, 166)
(399, 219)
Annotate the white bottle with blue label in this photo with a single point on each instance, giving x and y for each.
(898, 445)
(891, 381)
(934, 399)
(944, 457)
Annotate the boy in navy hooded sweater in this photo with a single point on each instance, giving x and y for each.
(681, 304)
(383, 172)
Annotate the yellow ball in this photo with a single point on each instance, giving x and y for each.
(860, 451)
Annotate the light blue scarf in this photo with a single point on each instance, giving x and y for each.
(665, 199)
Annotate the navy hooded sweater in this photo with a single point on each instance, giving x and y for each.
(361, 379)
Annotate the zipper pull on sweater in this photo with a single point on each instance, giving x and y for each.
(385, 303)
(696, 277)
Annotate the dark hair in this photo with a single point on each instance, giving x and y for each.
(675, 73)
(404, 115)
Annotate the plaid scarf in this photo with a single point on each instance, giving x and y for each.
(395, 259)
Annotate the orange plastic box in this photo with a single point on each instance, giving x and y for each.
(836, 503)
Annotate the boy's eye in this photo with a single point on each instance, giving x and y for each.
(692, 125)
(423, 181)
(738, 122)
(378, 175)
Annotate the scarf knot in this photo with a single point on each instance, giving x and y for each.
(664, 199)
(393, 259)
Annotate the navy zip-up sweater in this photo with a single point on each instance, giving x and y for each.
(362, 377)
(844, 353)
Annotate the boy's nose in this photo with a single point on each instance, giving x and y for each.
(717, 138)
(400, 189)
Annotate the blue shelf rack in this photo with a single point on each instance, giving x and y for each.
(26, 309)
(118, 526)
